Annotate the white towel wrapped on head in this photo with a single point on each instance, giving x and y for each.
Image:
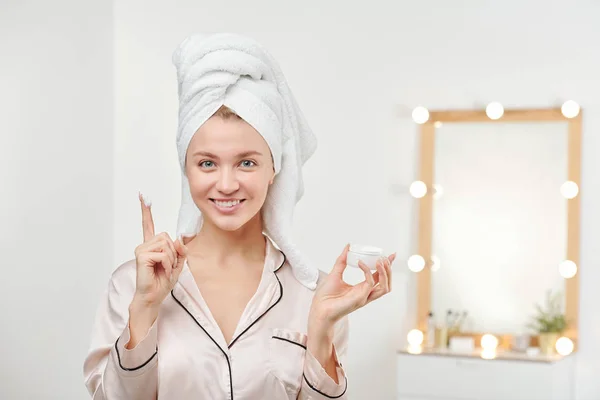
(232, 70)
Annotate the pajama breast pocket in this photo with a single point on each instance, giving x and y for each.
(287, 350)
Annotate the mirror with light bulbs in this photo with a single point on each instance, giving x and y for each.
(498, 194)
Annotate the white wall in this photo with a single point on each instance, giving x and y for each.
(56, 153)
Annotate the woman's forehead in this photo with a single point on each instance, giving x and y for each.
(228, 138)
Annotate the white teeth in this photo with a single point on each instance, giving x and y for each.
(227, 203)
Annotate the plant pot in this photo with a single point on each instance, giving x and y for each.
(547, 340)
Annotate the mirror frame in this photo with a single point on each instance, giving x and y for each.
(425, 209)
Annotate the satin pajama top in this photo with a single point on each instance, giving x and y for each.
(184, 354)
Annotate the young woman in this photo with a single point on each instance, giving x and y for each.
(222, 313)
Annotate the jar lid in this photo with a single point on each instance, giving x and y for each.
(370, 250)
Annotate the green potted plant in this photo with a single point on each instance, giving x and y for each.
(550, 322)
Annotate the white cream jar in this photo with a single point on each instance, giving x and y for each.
(367, 254)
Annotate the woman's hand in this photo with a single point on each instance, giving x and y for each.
(159, 262)
(335, 299)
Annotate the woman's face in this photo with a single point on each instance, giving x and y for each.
(229, 168)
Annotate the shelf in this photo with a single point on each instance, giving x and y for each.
(500, 354)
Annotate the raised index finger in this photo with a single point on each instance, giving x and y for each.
(147, 221)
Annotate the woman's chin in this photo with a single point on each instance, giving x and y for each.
(229, 223)
(230, 226)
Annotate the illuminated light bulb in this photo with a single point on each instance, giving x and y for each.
(416, 263)
(415, 337)
(415, 349)
(435, 263)
(494, 110)
(488, 354)
(567, 269)
(420, 115)
(438, 191)
(570, 109)
(489, 342)
(569, 189)
(564, 346)
(418, 189)
(437, 124)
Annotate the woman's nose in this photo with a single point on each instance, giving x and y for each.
(227, 182)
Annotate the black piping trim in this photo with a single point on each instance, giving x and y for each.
(290, 341)
(213, 340)
(268, 309)
(245, 330)
(323, 394)
(283, 262)
(136, 368)
(262, 315)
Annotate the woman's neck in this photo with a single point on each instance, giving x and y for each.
(220, 246)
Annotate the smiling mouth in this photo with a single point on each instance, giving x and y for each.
(227, 203)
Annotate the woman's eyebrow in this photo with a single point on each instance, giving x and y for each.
(240, 155)
(204, 154)
(250, 153)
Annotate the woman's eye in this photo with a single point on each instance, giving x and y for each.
(248, 164)
(206, 164)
